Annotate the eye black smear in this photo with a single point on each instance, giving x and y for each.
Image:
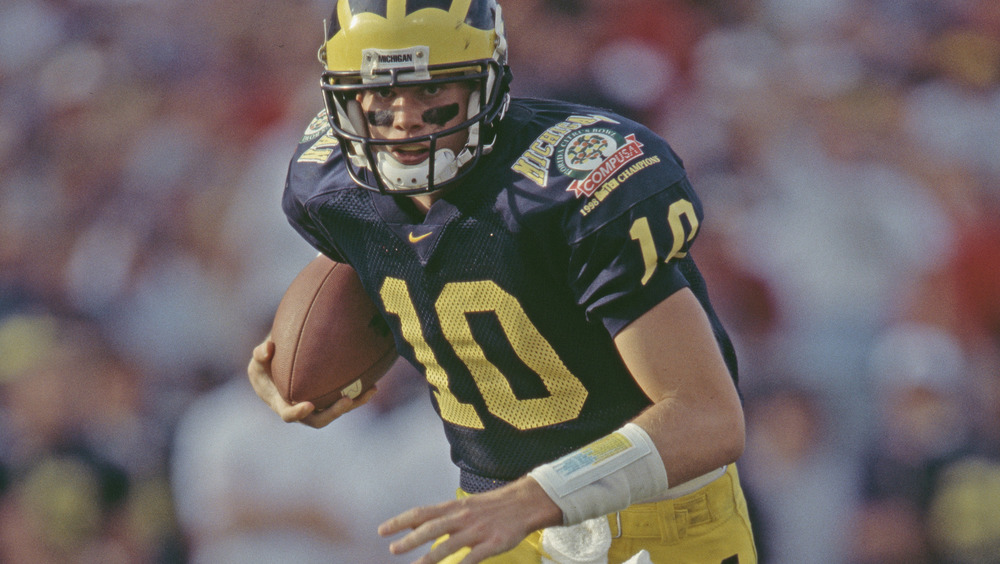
(434, 116)
(380, 118)
(440, 115)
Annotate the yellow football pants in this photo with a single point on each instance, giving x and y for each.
(708, 526)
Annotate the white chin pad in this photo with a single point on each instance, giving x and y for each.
(398, 176)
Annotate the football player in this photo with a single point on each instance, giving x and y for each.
(532, 259)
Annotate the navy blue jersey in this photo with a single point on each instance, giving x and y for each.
(508, 293)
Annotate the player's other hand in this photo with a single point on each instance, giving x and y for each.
(259, 372)
(478, 526)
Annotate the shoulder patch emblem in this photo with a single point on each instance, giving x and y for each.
(317, 127)
(592, 156)
(320, 151)
(323, 141)
(535, 163)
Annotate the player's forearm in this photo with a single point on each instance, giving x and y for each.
(696, 420)
(695, 439)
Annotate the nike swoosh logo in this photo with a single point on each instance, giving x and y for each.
(419, 238)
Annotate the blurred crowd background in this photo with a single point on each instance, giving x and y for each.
(847, 151)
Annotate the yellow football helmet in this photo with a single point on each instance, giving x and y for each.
(394, 43)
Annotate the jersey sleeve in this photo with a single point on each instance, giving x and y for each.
(312, 163)
(301, 221)
(630, 238)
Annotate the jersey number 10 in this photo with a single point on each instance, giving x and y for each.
(641, 232)
(566, 392)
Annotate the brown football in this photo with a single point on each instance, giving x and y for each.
(329, 338)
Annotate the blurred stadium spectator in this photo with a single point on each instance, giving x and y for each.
(252, 489)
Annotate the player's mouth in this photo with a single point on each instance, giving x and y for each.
(410, 154)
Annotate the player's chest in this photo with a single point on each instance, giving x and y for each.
(450, 242)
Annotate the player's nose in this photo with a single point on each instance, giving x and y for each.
(407, 115)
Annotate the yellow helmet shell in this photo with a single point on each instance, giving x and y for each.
(449, 31)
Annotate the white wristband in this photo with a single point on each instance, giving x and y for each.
(607, 475)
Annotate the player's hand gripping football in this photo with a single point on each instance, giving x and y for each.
(482, 525)
(304, 412)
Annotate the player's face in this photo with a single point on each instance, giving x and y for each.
(411, 111)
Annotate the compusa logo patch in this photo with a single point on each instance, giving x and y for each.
(592, 156)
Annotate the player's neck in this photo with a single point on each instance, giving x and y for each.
(423, 202)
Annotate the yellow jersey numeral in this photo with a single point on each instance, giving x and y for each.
(641, 232)
(566, 393)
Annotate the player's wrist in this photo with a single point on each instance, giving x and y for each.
(545, 512)
(610, 474)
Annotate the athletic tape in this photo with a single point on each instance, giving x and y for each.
(604, 476)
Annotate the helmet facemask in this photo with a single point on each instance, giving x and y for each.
(367, 154)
